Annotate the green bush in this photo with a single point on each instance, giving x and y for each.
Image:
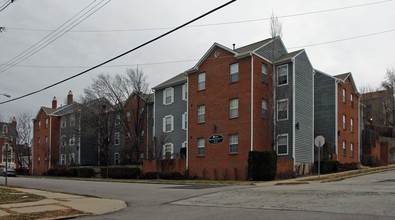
(262, 165)
(327, 166)
(73, 172)
(120, 172)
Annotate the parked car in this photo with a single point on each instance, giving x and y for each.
(10, 172)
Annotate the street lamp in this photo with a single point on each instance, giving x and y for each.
(6, 95)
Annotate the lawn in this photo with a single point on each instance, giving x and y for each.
(9, 195)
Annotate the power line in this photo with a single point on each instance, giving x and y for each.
(56, 34)
(212, 24)
(121, 55)
(6, 5)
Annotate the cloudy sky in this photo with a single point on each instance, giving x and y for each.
(120, 25)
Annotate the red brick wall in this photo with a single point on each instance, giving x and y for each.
(346, 134)
(217, 162)
(385, 152)
(284, 167)
(173, 165)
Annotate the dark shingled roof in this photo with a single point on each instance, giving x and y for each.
(289, 55)
(252, 47)
(180, 78)
(342, 76)
(11, 130)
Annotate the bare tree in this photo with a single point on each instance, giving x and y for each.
(275, 26)
(25, 134)
(158, 147)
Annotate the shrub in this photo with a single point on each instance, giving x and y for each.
(327, 166)
(148, 176)
(172, 176)
(120, 172)
(85, 172)
(262, 165)
(372, 161)
(348, 166)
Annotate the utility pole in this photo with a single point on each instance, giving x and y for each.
(6, 161)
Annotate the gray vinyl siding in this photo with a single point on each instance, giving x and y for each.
(272, 50)
(304, 109)
(285, 126)
(325, 106)
(178, 136)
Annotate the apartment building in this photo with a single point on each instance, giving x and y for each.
(8, 138)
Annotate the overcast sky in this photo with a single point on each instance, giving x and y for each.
(91, 42)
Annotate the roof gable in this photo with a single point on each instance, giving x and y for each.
(178, 79)
(342, 79)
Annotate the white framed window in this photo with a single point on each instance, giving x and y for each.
(63, 122)
(64, 141)
(234, 72)
(185, 91)
(233, 143)
(282, 75)
(282, 109)
(344, 122)
(233, 108)
(142, 136)
(344, 95)
(201, 113)
(116, 158)
(352, 125)
(282, 144)
(352, 150)
(38, 142)
(168, 123)
(117, 119)
(184, 121)
(46, 159)
(344, 148)
(72, 140)
(117, 139)
(168, 96)
(39, 125)
(264, 108)
(264, 73)
(141, 155)
(168, 151)
(46, 123)
(38, 160)
(352, 100)
(201, 81)
(72, 158)
(62, 159)
(200, 146)
(46, 141)
(72, 120)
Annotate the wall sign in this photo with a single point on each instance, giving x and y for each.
(215, 139)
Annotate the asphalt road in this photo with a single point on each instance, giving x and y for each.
(366, 197)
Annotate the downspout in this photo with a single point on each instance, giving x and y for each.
(252, 102)
(293, 110)
(312, 144)
(186, 133)
(50, 141)
(359, 131)
(79, 140)
(336, 121)
(32, 153)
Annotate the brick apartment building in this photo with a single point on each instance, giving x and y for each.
(8, 138)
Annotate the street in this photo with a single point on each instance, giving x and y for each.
(365, 197)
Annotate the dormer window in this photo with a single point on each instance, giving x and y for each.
(5, 130)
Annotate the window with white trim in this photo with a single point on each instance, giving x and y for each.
(184, 121)
(72, 120)
(282, 75)
(344, 95)
(233, 143)
(168, 123)
(264, 108)
(72, 158)
(168, 96)
(39, 125)
(117, 139)
(352, 100)
(282, 144)
(63, 122)
(201, 113)
(62, 159)
(201, 81)
(264, 73)
(46, 141)
(234, 72)
(118, 119)
(344, 122)
(185, 91)
(168, 151)
(64, 141)
(72, 140)
(142, 136)
(233, 108)
(344, 148)
(38, 142)
(352, 150)
(352, 125)
(116, 158)
(46, 123)
(200, 146)
(38, 160)
(282, 109)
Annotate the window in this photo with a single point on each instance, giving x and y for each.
(46, 159)
(352, 150)
(264, 73)
(168, 96)
(184, 121)
(168, 122)
(38, 142)
(128, 116)
(116, 138)
(233, 143)
(352, 125)
(185, 92)
(344, 148)
(71, 158)
(264, 108)
(141, 155)
(344, 122)
(282, 144)
(63, 122)
(142, 136)
(201, 81)
(72, 140)
(39, 125)
(116, 158)
(64, 141)
(118, 119)
(62, 159)
(352, 100)
(46, 141)
(72, 120)
(344, 95)
(234, 72)
(168, 151)
(38, 160)
(233, 108)
(282, 74)
(200, 147)
(201, 113)
(46, 123)
(282, 109)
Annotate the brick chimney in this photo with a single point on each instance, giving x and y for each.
(69, 98)
(14, 122)
(54, 103)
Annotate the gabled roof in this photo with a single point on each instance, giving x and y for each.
(180, 78)
(65, 109)
(253, 46)
(11, 130)
(289, 56)
(342, 79)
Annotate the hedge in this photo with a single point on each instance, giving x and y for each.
(166, 176)
(73, 172)
(328, 166)
(262, 165)
(120, 172)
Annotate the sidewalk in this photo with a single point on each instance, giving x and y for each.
(84, 205)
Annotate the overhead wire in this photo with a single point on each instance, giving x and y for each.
(121, 55)
(56, 34)
(9, 3)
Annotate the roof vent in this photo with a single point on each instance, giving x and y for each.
(234, 46)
